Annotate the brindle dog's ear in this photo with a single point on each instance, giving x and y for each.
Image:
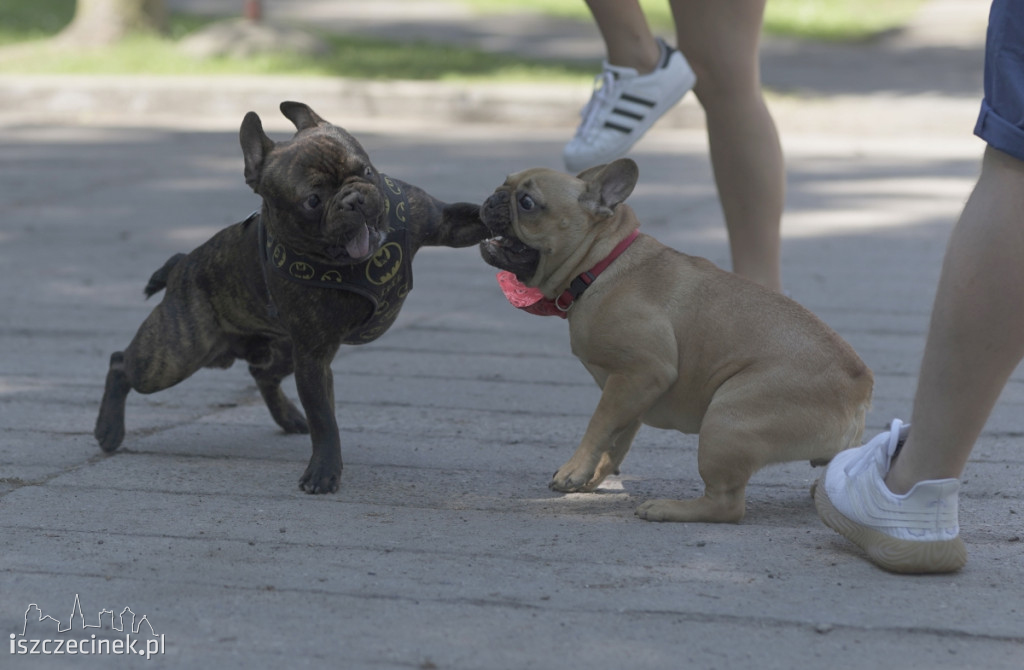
(301, 115)
(255, 147)
(608, 185)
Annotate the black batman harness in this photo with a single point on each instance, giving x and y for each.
(385, 279)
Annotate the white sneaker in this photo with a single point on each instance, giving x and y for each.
(624, 105)
(917, 532)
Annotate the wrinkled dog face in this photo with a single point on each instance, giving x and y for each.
(539, 217)
(335, 207)
(505, 250)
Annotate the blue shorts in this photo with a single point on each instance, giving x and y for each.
(1001, 121)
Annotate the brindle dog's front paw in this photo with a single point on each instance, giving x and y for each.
(319, 478)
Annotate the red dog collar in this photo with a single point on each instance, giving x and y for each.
(534, 302)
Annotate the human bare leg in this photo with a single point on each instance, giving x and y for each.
(720, 39)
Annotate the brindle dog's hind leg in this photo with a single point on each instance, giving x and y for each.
(177, 338)
(268, 378)
(109, 430)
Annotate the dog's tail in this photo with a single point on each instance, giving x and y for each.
(158, 281)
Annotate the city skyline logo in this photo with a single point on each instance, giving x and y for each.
(119, 633)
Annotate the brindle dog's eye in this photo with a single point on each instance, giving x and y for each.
(312, 202)
(526, 202)
(368, 172)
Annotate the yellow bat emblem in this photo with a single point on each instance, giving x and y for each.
(301, 270)
(385, 264)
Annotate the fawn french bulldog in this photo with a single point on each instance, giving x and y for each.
(673, 341)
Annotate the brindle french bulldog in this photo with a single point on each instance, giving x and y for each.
(326, 261)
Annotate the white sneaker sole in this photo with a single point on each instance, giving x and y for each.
(890, 553)
(579, 161)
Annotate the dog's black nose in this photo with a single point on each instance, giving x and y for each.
(352, 200)
(494, 211)
(498, 200)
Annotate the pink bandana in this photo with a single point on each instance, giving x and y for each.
(534, 302)
(525, 298)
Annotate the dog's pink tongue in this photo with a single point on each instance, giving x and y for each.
(359, 245)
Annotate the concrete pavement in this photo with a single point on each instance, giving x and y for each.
(444, 548)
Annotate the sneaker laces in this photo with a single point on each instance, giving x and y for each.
(604, 92)
(880, 458)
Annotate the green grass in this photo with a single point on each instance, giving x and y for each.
(22, 20)
(837, 20)
(27, 23)
(829, 20)
(349, 57)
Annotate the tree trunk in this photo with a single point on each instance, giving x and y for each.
(99, 22)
